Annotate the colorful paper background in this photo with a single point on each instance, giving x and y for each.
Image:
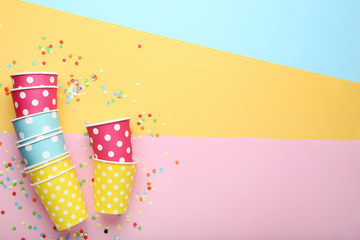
(248, 149)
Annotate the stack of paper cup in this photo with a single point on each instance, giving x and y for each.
(114, 165)
(41, 144)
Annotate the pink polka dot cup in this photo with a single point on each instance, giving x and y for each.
(30, 100)
(33, 79)
(111, 140)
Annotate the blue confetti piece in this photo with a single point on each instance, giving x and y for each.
(9, 65)
(39, 216)
(103, 86)
(67, 102)
(34, 63)
(35, 227)
(161, 169)
(26, 195)
(5, 186)
(67, 95)
(7, 178)
(107, 103)
(16, 203)
(12, 168)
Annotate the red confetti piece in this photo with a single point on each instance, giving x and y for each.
(149, 115)
(10, 164)
(61, 41)
(14, 193)
(50, 46)
(79, 57)
(34, 200)
(139, 46)
(43, 52)
(43, 63)
(149, 188)
(6, 89)
(148, 174)
(14, 62)
(140, 116)
(76, 63)
(64, 60)
(2, 212)
(43, 236)
(135, 224)
(138, 123)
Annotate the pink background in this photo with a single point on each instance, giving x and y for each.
(262, 189)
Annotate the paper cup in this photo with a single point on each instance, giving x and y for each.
(36, 124)
(39, 151)
(32, 100)
(38, 137)
(113, 183)
(32, 79)
(45, 162)
(50, 169)
(111, 140)
(62, 198)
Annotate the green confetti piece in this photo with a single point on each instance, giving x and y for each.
(92, 76)
(152, 134)
(65, 90)
(39, 47)
(61, 46)
(139, 228)
(34, 213)
(83, 180)
(85, 133)
(143, 119)
(80, 165)
(93, 218)
(22, 189)
(21, 182)
(30, 227)
(112, 100)
(20, 207)
(80, 183)
(2, 182)
(44, 38)
(1, 84)
(14, 228)
(90, 157)
(22, 162)
(154, 120)
(86, 80)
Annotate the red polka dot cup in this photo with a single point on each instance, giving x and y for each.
(31, 100)
(33, 79)
(111, 140)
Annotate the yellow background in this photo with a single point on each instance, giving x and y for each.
(196, 91)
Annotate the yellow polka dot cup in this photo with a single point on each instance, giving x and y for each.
(50, 168)
(62, 198)
(113, 183)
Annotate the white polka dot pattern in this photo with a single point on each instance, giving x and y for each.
(112, 141)
(112, 187)
(34, 100)
(52, 168)
(33, 79)
(64, 210)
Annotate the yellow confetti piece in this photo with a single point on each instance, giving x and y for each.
(119, 226)
(6, 151)
(144, 169)
(23, 222)
(17, 165)
(165, 153)
(6, 170)
(130, 214)
(10, 187)
(4, 162)
(139, 212)
(150, 181)
(136, 196)
(128, 220)
(91, 184)
(139, 137)
(164, 124)
(99, 224)
(97, 215)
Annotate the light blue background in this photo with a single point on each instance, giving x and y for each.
(320, 36)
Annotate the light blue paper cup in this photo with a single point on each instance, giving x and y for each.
(36, 124)
(39, 151)
(38, 137)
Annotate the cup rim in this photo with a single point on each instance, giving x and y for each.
(111, 121)
(31, 115)
(46, 165)
(38, 164)
(20, 146)
(53, 130)
(35, 87)
(26, 73)
(124, 163)
(57, 175)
